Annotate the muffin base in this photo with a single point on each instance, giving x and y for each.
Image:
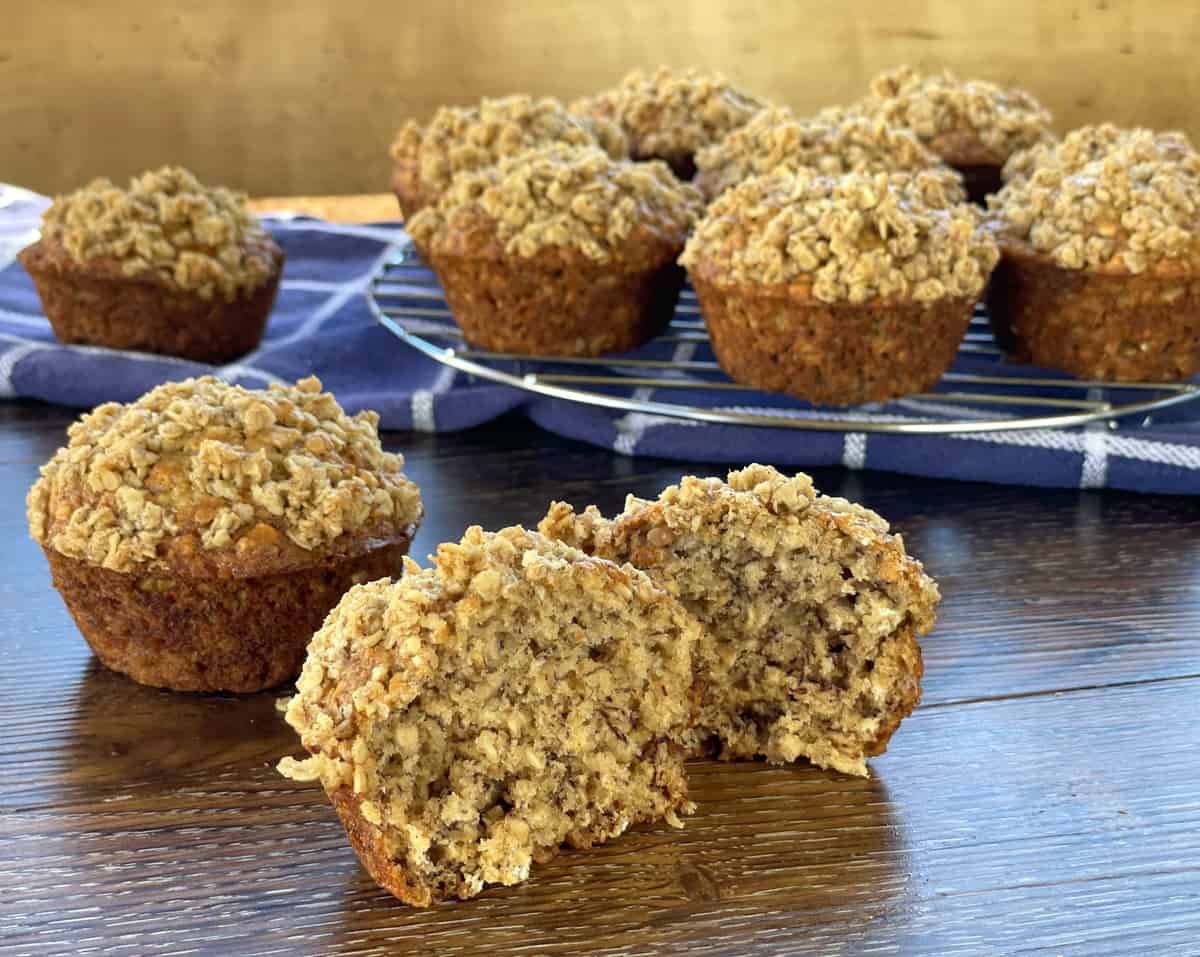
(1116, 327)
(210, 634)
(367, 841)
(543, 307)
(100, 306)
(831, 354)
(406, 184)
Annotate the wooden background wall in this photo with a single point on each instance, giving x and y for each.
(288, 96)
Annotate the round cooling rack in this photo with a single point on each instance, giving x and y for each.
(677, 375)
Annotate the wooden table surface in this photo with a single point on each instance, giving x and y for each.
(1042, 799)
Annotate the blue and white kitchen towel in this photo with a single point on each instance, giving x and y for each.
(322, 325)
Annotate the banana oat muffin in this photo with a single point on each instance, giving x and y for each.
(516, 696)
(167, 266)
(832, 143)
(670, 115)
(809, 610)
(1100, 238)
(839, 290)
(461, 139)
(199, 535)
(560, 251)
(973, 125)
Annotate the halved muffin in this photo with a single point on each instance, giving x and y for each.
(461, 139)
(671, 115)
(839, 290)
(832, 143)
(560, 251)
(810, 611)
(167, 266)
(973, 125)
(471, 719)
(1100, 273)
(199, 535)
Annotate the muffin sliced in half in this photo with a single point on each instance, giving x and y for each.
(471, 719)
(671, 115)
(460, 139)
(839, 290)
(832, 143)
(199, 535)
(810, 611)
(168, 266)
(974, 125)
(560, 251)
(1100, 243)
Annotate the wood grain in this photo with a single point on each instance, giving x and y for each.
(1041, 799)
(283, 97)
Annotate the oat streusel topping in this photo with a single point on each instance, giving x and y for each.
(851, 238)
(1004, 119)
(460, 139)
(833, 142)
(188, 236)
(1087, 143)
(565, 196)
(204, 462)
(668, 113)
(1108, 199)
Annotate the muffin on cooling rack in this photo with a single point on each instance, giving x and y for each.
(199, 535)
(560, 251)
(167, 266)
(1100, 275)
(832, 143)
(469, 720)
(671, 115)
(839, 290)
(809, 608)
(461, 139)
(973, 125)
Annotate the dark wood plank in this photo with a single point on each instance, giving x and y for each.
(1042, 797)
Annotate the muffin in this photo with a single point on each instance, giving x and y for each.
(462, 139)
(832, 143)
(560, 251)
(471, 719)
(809, 610)
(671, 115)
(839, 290)
(199, 535)
(1100, 274)
(166, 266)
(973, 125)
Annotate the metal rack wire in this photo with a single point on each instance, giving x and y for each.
(983, 391)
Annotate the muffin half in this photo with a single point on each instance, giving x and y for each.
(167, 266)
(832, 143)
(809, 607)
(471, 719)
(1100, 274)
(560, 251)
(671, 115)
(461, 139)
(973, 125)
(839, 290)
(199, 535)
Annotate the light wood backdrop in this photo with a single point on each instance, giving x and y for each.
(285, 96)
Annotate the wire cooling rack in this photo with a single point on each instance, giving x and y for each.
(677, 375)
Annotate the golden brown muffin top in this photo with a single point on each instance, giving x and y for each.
(167, 225)
(460, 139)
(1122, 201)
(220, 479)
(832, 142)
(560, 196)
(964, 121)
(852, 238)
(1087, 143)
(671, 113)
